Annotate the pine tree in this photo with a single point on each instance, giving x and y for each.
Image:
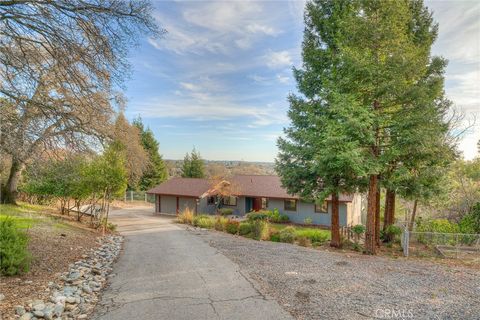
(193, 165)
(322, 154)
(156, 171)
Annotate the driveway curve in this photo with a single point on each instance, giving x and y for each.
(166, 272)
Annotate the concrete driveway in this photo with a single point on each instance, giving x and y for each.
(166, 272)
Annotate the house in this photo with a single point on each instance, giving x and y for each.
(246, 193)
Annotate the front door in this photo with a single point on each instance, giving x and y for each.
(257, 204)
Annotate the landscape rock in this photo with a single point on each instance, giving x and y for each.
(75, 293)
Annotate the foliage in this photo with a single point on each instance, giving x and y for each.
(470, 223)
(225, 211)
(128, 137)
(221, 223)
(436, 225)
(304, 241)
(156, 171)
(204, 221)
(245, 228)
(308, 221)
(314, 235)
(14, 256)
(358, 229)
(392, 232)
(186, 216)
(274, 235)
(287, 235)
(193, 165)
(259, 215)
(261, 230)
(232, 226)
(272, 216)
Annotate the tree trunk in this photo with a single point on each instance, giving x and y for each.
(414, 213)
(389, 212)
(386, 212)
(377, 218)
(335, 225)
(370, 247)
(10, 190)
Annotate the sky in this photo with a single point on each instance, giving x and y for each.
(218, 80)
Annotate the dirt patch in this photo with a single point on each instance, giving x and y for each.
(54, 244)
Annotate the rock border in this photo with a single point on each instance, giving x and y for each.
(76, 293)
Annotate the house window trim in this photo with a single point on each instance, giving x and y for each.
(320, 211)
(230, 205)
(285, 205)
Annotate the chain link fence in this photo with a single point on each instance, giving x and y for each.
(446, 245)
(135, 196)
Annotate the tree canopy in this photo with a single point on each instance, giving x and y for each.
(193, 165)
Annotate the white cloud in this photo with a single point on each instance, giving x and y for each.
(258, 28)
(283, 79)
(189, 86)
(278, 59)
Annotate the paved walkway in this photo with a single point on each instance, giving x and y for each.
(166, 272)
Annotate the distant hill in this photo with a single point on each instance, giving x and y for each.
(224, 167)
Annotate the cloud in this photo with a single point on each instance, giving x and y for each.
(258, 28)
(278, 59)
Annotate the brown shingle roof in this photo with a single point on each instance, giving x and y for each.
(187, 187)
(242, 185)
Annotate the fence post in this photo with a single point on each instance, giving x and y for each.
(131, 196)
(145, 197)
(405, 242)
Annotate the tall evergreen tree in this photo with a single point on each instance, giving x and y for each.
(156, 171)
(193, 165)
(322, 153)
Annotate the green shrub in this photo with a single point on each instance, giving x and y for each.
(111, 227)
(307, 221)
(245, 228)
(304, 241)
(470, 223)
(392, 233)
(261, 230)
(14, 255)
(287, 235)
(314, 235)
(274, 235)
(204, 221)
(225, 211)
(437, 225)
(358, 229)
(220, 223)
(283, 218)
(232, 226)
(256, 216)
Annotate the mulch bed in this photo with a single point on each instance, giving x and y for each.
(53, 246)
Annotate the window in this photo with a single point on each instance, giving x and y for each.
(210, 200)
(290, 204)
(230, 201)
(321, 208)
(264, 203)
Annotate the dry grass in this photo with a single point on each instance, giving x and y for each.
(186, 216)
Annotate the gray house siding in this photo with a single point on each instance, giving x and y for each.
(306, 209)
(168, 204)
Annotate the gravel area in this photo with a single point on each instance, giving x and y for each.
(318, 284)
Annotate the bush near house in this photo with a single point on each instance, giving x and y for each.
(14, 255)
(232, 226)
(315, 236)
(186, 216)
(204, 221)
(245, 228)
(220, 223)
(267, 215)
(261, 230)
(287, 235)
(225, 211)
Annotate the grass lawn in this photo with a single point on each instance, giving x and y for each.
(24, 215)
